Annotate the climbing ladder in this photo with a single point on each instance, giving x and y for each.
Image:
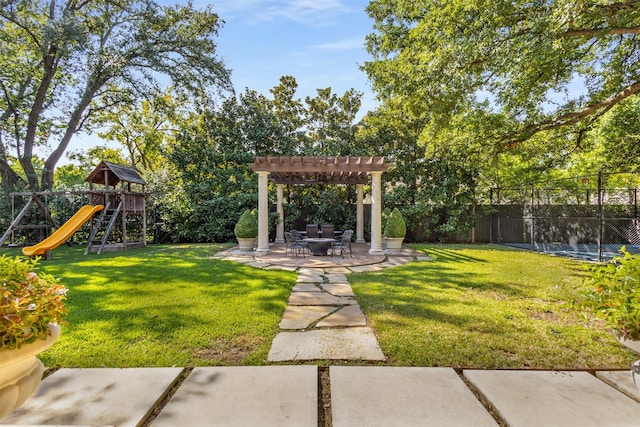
(108, 219)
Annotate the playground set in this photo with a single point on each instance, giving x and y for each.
(116, 216)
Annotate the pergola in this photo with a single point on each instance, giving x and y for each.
(320, 170)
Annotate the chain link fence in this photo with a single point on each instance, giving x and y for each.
(587, 217)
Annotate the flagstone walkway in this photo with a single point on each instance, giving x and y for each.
(323, 320)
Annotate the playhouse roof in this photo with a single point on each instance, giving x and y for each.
(107, 173)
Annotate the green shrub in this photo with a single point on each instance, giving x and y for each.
(396, 227)
(614, 294)
(386, 213)
(28, 302)
(247, 225)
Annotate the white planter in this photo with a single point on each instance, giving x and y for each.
(247, 244)
(21, 372)
(394, 243)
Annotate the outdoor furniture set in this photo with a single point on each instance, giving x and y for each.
(318, 241)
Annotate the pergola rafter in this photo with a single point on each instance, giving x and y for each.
(319, 170)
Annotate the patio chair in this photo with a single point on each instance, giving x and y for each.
(327, 231)
(342, 244)
(312, 230)
(294, 245)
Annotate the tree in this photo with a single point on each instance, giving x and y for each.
(143, 129)
(519, 58)
(329, 120)
(63, 61)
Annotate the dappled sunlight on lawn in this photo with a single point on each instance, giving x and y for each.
(156, 307)
(481, 306)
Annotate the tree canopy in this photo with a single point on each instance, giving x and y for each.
(541, 65)
(63, 61)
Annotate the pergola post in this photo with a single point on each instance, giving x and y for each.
(320, 170)
(360, 215)
(263, 213)
(376, 213)
(280, 208)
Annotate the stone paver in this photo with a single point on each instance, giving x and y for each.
(399, 260)
(622, 381)
(338, 270)
(309, 278)
(99, 397)
(258, 264)
(391, 396)
(346, 317)
(281, 267)
(318, 298)
(301, 317)
(338, 289)
(245, 396)
(306, 287)
(365, 268)
(347, 343)
(337, 278)
(550, 398)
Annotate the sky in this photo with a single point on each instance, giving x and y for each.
(321, 43)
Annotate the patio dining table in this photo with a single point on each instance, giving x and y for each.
(318, 245)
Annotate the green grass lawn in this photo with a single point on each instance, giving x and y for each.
(485, 307)
(473, 306)
(164, 306)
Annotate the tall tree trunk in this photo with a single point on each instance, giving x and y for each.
(72, 127)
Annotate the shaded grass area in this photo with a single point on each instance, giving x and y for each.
(165, 305)
(485, 307)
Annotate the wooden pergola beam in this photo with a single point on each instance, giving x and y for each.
(303, 170)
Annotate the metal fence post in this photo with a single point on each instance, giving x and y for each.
(600, 216)
(531, 213)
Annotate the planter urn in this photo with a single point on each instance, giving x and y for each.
(394, 244)
(21, 371)
(246, 244)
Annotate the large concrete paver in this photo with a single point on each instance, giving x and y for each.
(337, 344)
(95, 396)
(555, 398)
(245, 396)
(621, 380)
(393, 396)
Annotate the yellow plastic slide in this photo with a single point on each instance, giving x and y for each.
(63, 233)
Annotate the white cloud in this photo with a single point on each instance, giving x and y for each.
(315, 13)
(347, 44)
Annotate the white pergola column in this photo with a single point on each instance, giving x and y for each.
(263, 213)
(280, 208)
(360, 215)
(376, 213)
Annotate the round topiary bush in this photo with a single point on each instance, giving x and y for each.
(395, 227)
(386, 213)
(247, 225)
